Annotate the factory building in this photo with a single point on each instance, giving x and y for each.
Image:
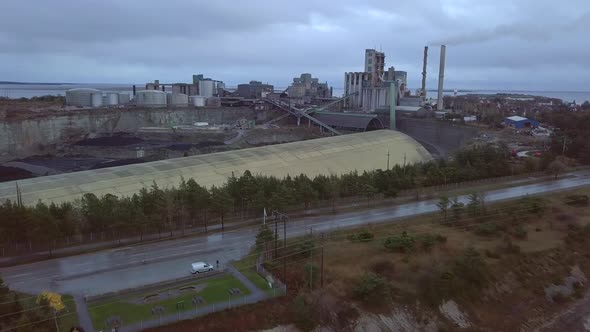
(201, 86)
(305, 88)
(254, 90)
(373, 85)
(187, 89)
(155, 86)
(519, 122)
(374, 64)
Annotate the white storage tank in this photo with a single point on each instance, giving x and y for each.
(81, 97)
(110, 99)
(177, 99)
(150, 98)
(206, 88)
(123, 98)
(96, 99)
(198, 101)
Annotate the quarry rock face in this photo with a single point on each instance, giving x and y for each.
(44, 134)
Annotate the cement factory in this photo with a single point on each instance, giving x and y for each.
(374, 92)
(207, 120)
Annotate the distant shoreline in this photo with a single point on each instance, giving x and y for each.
(31, 83)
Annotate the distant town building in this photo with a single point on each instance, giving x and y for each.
(519, 122)
(254, 90)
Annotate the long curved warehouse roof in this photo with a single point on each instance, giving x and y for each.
(331, 155)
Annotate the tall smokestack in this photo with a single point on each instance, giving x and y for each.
(441, 78)
(424, 72)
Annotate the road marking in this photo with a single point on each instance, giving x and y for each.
(20, 275)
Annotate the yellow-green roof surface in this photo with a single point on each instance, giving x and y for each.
(331, 155)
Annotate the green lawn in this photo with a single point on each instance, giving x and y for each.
(256, 279)
(216, 291)
(70, 317)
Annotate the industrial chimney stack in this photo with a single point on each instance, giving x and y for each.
(424, 72)
(441, 77)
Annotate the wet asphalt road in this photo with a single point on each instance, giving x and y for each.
(122, 268)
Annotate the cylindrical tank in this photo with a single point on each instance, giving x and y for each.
(80, 97)
(110, 99)
(206, 88)
(177, 99)
(198, 101)
(96, 99)
(123, 98)
(150, 98)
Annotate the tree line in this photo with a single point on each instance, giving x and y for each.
(571, 135)
(161, 210)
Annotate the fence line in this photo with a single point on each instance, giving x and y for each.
(266, 274)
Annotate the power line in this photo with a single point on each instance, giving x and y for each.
(352, 231)
(253, 227)
(324, 244)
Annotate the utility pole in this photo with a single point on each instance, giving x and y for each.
(284, 248)
(404, 162)
(311, 268)
(55, 320)
(276, 235)
(322, 273)
(388, 159)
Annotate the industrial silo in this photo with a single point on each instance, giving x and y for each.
(177, 100)
(206, 88)
(123, 98)
(150, 98)
(81, 97)
(110, 99)
(198, 101)
(96, 99)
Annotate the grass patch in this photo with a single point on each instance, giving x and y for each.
(246, 267)
(255, 278)
(216, 291)
(247, 262)
(69, 316)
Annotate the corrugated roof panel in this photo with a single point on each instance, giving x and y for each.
(331, 155)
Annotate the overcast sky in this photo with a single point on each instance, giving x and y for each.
(493, 44)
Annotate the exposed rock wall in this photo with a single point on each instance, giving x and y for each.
(43, 135)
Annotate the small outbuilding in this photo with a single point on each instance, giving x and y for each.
(519, 122)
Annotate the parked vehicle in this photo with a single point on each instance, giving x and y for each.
(200, 267)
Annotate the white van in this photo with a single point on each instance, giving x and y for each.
(199, 267)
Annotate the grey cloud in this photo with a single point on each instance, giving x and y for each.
(490, 42)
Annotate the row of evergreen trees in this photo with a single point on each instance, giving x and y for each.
(156, 209)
